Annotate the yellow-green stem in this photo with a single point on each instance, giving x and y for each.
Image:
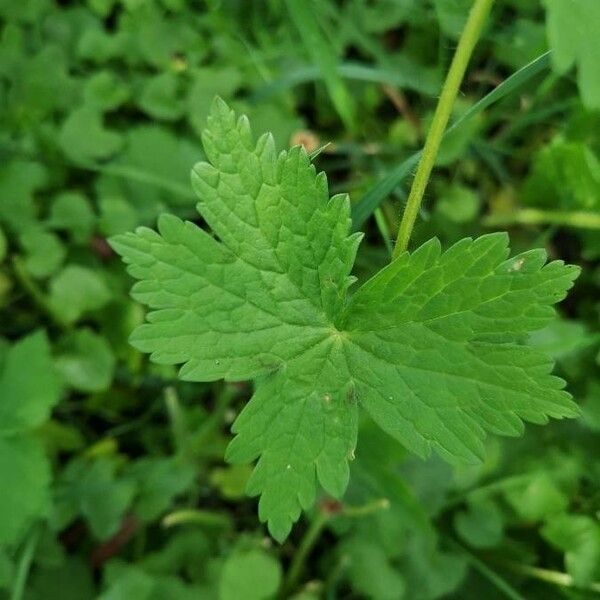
(306, 545)
(25, 563)
(313, 533)
(535, 216)
(193, 516)
(555, 577)
(470, 35)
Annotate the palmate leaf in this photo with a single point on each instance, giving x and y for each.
(429, 346)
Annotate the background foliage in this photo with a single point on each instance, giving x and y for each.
(113, 480)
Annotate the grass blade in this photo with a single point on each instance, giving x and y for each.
(141, 176)
(323, 55)
(425, 80)
(503, 586)
(363, 209)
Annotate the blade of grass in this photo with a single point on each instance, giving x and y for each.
(312, 534)
(533, 117)
(494, 578)
(424, 81)
(384, 230)
(324, 57)
(177, 418)
(114, 170)
(135, 174)
(24, 564)
(363, 209)
(306, 545)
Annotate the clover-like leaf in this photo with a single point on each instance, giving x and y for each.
(29, 388)
(430, 346)
(573, 28)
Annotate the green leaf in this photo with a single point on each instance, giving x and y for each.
(539, 499)
(40, 85)
(25, 476)
(281, 122)
(44, 252)
(86, 361)
(71, 580)
(156, 39)
(159, 481)
(452, 15)
(22, 12)
(429, 346)
(83, 136)
(564, 175)
(252, 575)
(186, 551)
(29, 385)
(160, 97)
(132, 583)
(116, 216)
(208, 82)
(102, 7)
(458, 203)
(562, 338)
(19, 180)
(93, 490)
(481, 525)
(98, 46)
(103, 499)
(28, 390)
(412, 492)
(105, 91)
(6, 569)
(231, 481)
(578, 536)
(520, 42)
(127, 582)
(72, 212)
(573, 28)
(75, 291)
(371, 571)
(154, 158)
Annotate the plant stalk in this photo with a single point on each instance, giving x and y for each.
(177, 418)
(197, 517)
(314, 531)
(306, 545)
(496, 580)
(468, 39)
(25, 564)
(553, 577)
(535, 216)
